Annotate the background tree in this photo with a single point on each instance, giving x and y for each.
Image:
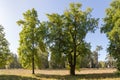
(110, 61)
(15, 62)
(30, 40)
(57, 61)
(102, 64)
(66, 33)
(86, 61)
(112, 29)
(42, 58)
(5, 54)
(54, 41)
(9, 60)
(95, 56)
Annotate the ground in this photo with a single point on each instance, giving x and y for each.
(83, 74)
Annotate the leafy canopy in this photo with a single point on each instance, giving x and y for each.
(5, 56)
(66, 33)
(31, 43)
(112, 29)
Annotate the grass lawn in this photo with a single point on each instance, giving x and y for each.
(84, 74)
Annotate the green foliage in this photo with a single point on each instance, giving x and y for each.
(95, 56)
(110, 61)
(112, 29)
(85, 61)
(31, 42)
(102, 64)
(5, 56)
(71, 28)
(57, 60)
(15, 62)
(41, 59)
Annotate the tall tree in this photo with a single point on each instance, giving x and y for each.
(4, 49)
(110, 61)
(111, 28)
(66, 33)
(15, 62)
(96, 54)
(54, 42)
(30, 40)
(86, 60)
(98, 48)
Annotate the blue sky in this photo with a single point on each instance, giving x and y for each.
(11, 11)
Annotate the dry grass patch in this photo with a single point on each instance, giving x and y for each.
(83, 74)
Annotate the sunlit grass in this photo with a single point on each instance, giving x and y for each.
(84, 74)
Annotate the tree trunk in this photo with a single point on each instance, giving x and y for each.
(72, 70)
(33, 51)
(33, 72)
(72, 66)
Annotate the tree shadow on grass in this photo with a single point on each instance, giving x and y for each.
(80, 76)
(14, 77)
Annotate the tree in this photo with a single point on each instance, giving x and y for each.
(102, 64)
(86, 61)
(30, 40)
(95, 56)
(66, 33)
(111, 28)
(110, 61)
(15, 62)
(9, 60)
(4, 49)
(98, 48)
(57, 60)
(42, 58)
